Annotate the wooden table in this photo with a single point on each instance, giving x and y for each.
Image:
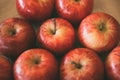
(112, 7)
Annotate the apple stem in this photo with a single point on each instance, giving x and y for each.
(77, 65)
(54, 21)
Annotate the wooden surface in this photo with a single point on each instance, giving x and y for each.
(112, 7)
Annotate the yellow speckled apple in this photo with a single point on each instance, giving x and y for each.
(35, 10)
(81, 64)
(74, 10)
(36, 64)
(16, 35)
(56, 35)
(113, 64)
(99, 32)
(6, 71)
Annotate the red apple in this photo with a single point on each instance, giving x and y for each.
(5, 68)
(16, 35)
(56, 35)
(74, 10)
(99, 32)
(35, 10)
(81, 64)
(36, 64)
(113, 64)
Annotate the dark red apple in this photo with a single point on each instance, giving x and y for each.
(16, 35)
(36, 64)
(6, 72)
(56, 35)
(113, 64)
(81, 64)
(74, 10)
(35, 10)
(99, 32)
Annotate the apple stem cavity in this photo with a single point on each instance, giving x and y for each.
(102, 27)
(37, 61)
(12, 32)
(77, 65)
(54, 29)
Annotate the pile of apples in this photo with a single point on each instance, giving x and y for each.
(49, 52)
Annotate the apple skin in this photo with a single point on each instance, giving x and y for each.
(36, 64)
(56, 35)
(16, 35)
(5, 68)
(81, 64)
(35, 10)
(113, 64)
(99, 32)
(74, 10)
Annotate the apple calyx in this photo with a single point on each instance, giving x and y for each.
(102, 27)
(12, 31)
(37, 61)
(77, 65)
(54, 28)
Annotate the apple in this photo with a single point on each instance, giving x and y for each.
(56, 35)
(5, 68)
(36, 64)
(81, 64)
(16, 35)
(74, 10)
(35, 10)
(99, 32)
(112, 64)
